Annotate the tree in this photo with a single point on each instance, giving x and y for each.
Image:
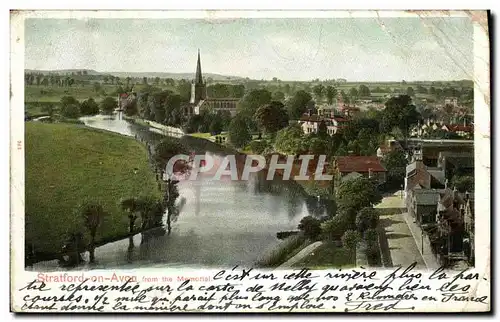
(97, 87)
(290, 140)
(367, 218)
(253, 100)
(49, 109)
(463, 183)
(399, 112)
(410, 91)
(319, 91)
(92, 215)
(271, 117)
(278, 96)
(358, 193)
(238, 90)
(145, 81)
(353, 93)
(70, 111)
(297, 104)
(317, 145)
(216, 125)
(322, 130)
(310, 226)
(164, 151)
(395, 163)
(108, 105)
(364, 91)
(239, 134)
(89, 107)
(131, 206)
(130, 107)
(345, 97)
(334, 228)
(331, 93)
(350, 240)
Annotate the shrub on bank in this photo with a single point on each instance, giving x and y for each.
(283, 251)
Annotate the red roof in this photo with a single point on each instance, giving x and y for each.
(359, 164)
(457, 128)
(312, 118)
(340, 119)
(124, 95)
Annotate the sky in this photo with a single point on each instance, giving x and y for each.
(357, 49)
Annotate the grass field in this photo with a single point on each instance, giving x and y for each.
(69, 164)
(328, 255)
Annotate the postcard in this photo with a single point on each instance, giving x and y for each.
(250, 161)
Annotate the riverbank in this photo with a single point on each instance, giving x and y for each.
(69, 164)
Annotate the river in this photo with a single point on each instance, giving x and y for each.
(222, 223)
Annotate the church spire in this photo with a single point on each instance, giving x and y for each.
(198, 78)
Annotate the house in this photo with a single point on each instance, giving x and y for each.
(310, 123)
(350, 167)
(460, 130)
(422, 205)
(468, 210)
(349, 110)
(124, 99)
(328, 110)
(418, 175)
(341, 80)
(450, 220)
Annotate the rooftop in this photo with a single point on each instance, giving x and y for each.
(359, 164)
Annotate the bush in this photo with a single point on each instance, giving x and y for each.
(70, 111)
(310, 226)
(350, 239)
(283, 251)
(258, 146)
(367, 218)
(335, 227)
(372, 246)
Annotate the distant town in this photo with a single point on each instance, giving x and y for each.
(401, 154)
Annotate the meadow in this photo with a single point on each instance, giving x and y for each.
(67, 165)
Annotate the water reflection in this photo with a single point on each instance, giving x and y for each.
(220, 223)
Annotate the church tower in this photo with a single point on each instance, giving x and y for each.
(198, 87)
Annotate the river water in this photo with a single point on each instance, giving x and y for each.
(222, 223)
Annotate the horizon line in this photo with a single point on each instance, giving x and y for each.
(244, 77)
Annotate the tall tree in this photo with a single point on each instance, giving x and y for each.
(358, 193)
(239, 134)
(353, 93)
(364, 91)
(108, 105)
(350, 240)
(271, 117)
(253, 100)
(399, 112)
(164, 151)
(290, 140)
(319, 91)
(331, 93)
(89, 107)
(297, 104)
(92, 215)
